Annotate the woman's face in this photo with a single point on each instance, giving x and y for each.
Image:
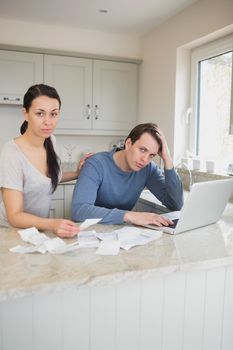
(42, 116)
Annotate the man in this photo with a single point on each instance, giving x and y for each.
(110, 183)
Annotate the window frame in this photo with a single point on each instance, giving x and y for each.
(206, 51)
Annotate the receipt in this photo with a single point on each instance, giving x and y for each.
(130, 237)
(88, 222)
(88, 239)
(65, 248)
(107, 236)
(108, 247)
(107, 243)
(41, 243)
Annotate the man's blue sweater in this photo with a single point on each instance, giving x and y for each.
(105, 191)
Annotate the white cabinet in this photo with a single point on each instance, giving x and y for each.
(18, 71)
(98, 97)
(57, 204)
(72, 78)
(114, 95)
(57, 209)
(61, 201)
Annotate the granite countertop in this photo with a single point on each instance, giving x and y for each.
(28, 274)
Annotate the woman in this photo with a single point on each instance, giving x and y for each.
(30, 169)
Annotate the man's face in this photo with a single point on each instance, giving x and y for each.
(139, 154)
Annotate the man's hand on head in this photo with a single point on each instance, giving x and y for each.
(164, 153)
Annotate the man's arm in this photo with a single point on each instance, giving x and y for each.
(85, 194)
(167, 188)
(84, 198)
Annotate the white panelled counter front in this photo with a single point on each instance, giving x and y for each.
(172, 294)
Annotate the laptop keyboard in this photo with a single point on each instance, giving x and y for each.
(174, 223)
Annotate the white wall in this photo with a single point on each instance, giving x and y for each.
(164, 93)
(83, 144)
(68, 39)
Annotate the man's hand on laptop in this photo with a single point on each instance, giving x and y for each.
(141, 219)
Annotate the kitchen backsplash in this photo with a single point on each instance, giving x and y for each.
(71, 148)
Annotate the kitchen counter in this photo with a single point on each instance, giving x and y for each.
(171, 294)
(203, 248)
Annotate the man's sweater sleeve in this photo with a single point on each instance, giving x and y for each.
(84, 197)
(167, 188)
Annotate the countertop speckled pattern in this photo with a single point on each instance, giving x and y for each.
(203, 248)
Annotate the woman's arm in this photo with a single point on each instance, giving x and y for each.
(69, 176)
(73, 175)
(13, 201)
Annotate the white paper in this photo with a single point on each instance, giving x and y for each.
(42, 244)
(111, 242)
(58, 246)
(28, 233)
(130, 237)
(89, 222)
(108, 247)
(88, 239)
(66, 248)
(54, 243)
(38, 239)
(107, 236)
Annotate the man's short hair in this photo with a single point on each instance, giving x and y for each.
(149, 128)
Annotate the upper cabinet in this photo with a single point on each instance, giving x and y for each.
(18, 71)
(114, 95)
(97, 96)
(72, 77)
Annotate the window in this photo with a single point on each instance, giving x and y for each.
(211, 96)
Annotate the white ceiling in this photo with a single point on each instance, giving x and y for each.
(133, 17)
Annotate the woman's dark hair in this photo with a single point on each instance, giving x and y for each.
(149, 128)
(52, 158)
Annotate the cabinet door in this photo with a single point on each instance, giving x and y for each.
(57, 204)
(114, 95)
(57, 209)
(18, 71)
(72, 77)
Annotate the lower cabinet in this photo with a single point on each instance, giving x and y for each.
(61, 201)
(57, 209)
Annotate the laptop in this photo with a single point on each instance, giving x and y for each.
(204, 206)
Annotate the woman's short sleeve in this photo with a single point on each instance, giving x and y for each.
(11, 169)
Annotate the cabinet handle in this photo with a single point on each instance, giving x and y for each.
(88, 112)
(13, 99)
(96, 112)
(52, 213)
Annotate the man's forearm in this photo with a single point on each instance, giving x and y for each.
(168, 163)
(81, 212)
